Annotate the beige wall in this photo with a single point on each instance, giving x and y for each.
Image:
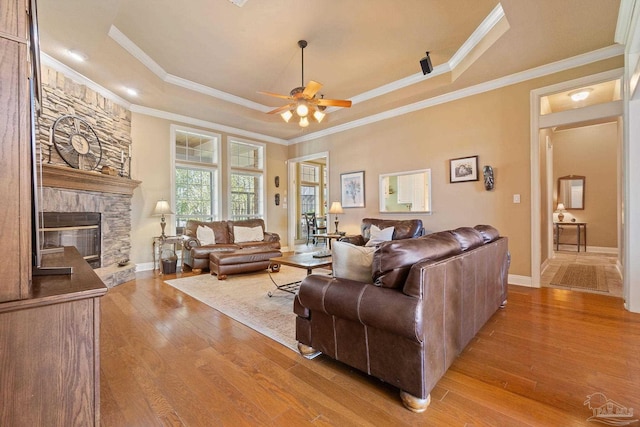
(493, 125)
(152, 165)
(592, 152)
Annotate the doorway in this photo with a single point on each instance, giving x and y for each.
(559, 124)
(308, 192)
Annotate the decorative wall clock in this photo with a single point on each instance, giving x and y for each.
(76, 142)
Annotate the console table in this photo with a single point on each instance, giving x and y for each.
(579, 226)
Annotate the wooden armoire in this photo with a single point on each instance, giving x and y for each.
(49, 325)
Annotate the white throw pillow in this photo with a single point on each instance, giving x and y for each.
(352, 262)
(205, 235)
(247, 234)
(378, 236)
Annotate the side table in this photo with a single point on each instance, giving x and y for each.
(158, 243)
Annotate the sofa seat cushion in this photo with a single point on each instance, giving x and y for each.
(244, 256)
(393, 260)
(258, 245)
(204, 251)
(352, 262)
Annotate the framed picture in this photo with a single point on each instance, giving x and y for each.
(352, 189)
(463, 169)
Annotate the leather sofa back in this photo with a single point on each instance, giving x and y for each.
(393, 259)
(223, 230)
(403, 229)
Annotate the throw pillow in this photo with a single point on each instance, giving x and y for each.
(352, 262)
(248, 234)
(205, 235)
(378, 236)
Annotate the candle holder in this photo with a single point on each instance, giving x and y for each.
(122, 169)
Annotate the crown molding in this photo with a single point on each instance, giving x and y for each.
(554, 67)
(625, 19)
(480, 33)
(205, 124)
(76, 76)
(124, 41)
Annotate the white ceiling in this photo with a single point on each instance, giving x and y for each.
(207, 59)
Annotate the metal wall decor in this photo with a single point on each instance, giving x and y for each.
(76, 142)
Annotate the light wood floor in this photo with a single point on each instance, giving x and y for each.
(168, 359)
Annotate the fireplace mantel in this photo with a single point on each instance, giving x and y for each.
(74, 179)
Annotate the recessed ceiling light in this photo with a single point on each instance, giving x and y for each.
(238, 3)
(132, 91)
(77, 55)
(580, 95)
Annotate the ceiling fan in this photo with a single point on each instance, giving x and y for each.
(304, 101)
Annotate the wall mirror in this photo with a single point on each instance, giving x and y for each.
(406, 192)
(571, 191)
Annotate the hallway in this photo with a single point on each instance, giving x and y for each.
(608, 261)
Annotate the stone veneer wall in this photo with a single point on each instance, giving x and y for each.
(110, 121)
(112, 124)
(115, 225)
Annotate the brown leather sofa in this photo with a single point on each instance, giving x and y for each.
(196, 256)
(430, 297)
(403, 229)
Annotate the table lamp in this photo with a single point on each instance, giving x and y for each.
(162, 209)
(560, 209)
(336, 208)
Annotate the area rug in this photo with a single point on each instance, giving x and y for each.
(244, 297)
(591, 277)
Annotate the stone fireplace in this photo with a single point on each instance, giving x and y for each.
(66, 189)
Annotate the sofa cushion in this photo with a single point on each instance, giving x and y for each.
(248, 234)
(403, 229)
(377, 235)
(489, 233)
(469, 238)
(205, 235)
(352, 262)
(393, 260)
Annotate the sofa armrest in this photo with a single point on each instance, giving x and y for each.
(271, 237)
(189, 242)
(385, 309)
(354, 240)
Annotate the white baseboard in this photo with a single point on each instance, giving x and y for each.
(144, 266)
(592, 249)
(514, 279)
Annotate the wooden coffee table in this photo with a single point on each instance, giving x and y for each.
(306, 261)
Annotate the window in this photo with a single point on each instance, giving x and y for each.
(196, 175)
(246, 177)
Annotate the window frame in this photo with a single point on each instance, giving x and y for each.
(260, 171)
(214, 168)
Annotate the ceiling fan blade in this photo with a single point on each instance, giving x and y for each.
(334, 102)
(275, 94)
(311, 89)
(281, 109)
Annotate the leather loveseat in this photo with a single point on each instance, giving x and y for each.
(429, 297)
(196, 255)
(403, 229)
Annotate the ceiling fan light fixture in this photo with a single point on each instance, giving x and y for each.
(318, 115)
(286, 116)
(302, 109)
(304, 122)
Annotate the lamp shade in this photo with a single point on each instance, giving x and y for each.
(560, 207)
(336, 208)
(162, 208)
